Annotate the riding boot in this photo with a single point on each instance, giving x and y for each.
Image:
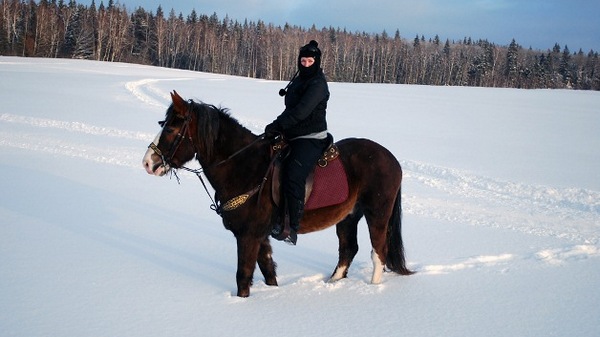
(280, 229)
(295, 209)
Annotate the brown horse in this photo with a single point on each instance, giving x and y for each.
(236, 161)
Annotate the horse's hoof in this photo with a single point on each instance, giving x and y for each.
(243, 293)
(338, 274)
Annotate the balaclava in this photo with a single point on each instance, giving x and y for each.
(310, 50)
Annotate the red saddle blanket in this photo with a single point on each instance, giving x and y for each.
(330, 186)
(326, 186)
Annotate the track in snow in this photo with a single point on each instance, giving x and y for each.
(444, 193)
(466, 198)
(571, 214)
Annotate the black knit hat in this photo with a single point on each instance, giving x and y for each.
(310, 50)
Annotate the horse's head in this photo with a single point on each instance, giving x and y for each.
(173, 146)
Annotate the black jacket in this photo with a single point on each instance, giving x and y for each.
(305, 105)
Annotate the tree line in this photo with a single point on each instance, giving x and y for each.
(200, 42)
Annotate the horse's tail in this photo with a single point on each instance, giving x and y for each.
(395, 260)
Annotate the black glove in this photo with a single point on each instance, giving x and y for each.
(272, 130)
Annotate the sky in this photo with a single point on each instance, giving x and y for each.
(538, 24)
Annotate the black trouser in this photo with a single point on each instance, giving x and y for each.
(301, 160)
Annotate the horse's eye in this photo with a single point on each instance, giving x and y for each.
(161, 123)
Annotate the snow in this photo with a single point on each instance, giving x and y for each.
(501, 203)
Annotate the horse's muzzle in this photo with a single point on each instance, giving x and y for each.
(155, 167)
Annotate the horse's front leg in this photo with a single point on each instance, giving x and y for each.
(266, 264)
(247, 249)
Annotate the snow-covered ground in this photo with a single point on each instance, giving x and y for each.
(501, 203)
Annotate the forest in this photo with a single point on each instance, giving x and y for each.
(205, 42)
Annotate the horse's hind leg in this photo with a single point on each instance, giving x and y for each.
(266, 264)
(347, 232)
(377, 222)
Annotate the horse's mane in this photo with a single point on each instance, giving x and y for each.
(211, 119)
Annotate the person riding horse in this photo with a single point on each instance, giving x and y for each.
(304, 126)
(200, 131)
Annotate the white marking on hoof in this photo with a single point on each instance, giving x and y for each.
(338, 274)
(377, 268)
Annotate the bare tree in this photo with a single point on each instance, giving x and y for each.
(262, 50)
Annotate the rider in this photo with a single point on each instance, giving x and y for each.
(304, 126)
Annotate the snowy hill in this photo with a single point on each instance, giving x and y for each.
(501, 203)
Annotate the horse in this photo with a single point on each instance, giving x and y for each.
(236, 161)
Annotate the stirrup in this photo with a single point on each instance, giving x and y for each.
(280, 232)
(292, 238)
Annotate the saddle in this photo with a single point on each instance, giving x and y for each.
(326, 185)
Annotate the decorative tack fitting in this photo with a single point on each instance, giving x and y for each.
(330, 154)
(235, 202)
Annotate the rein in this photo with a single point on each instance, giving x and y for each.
(198, 173)
(215, 205)
(260, 137)
(236, 201)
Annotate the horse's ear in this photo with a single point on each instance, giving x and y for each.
(178, 103)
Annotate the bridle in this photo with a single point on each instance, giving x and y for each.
(185, 131)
